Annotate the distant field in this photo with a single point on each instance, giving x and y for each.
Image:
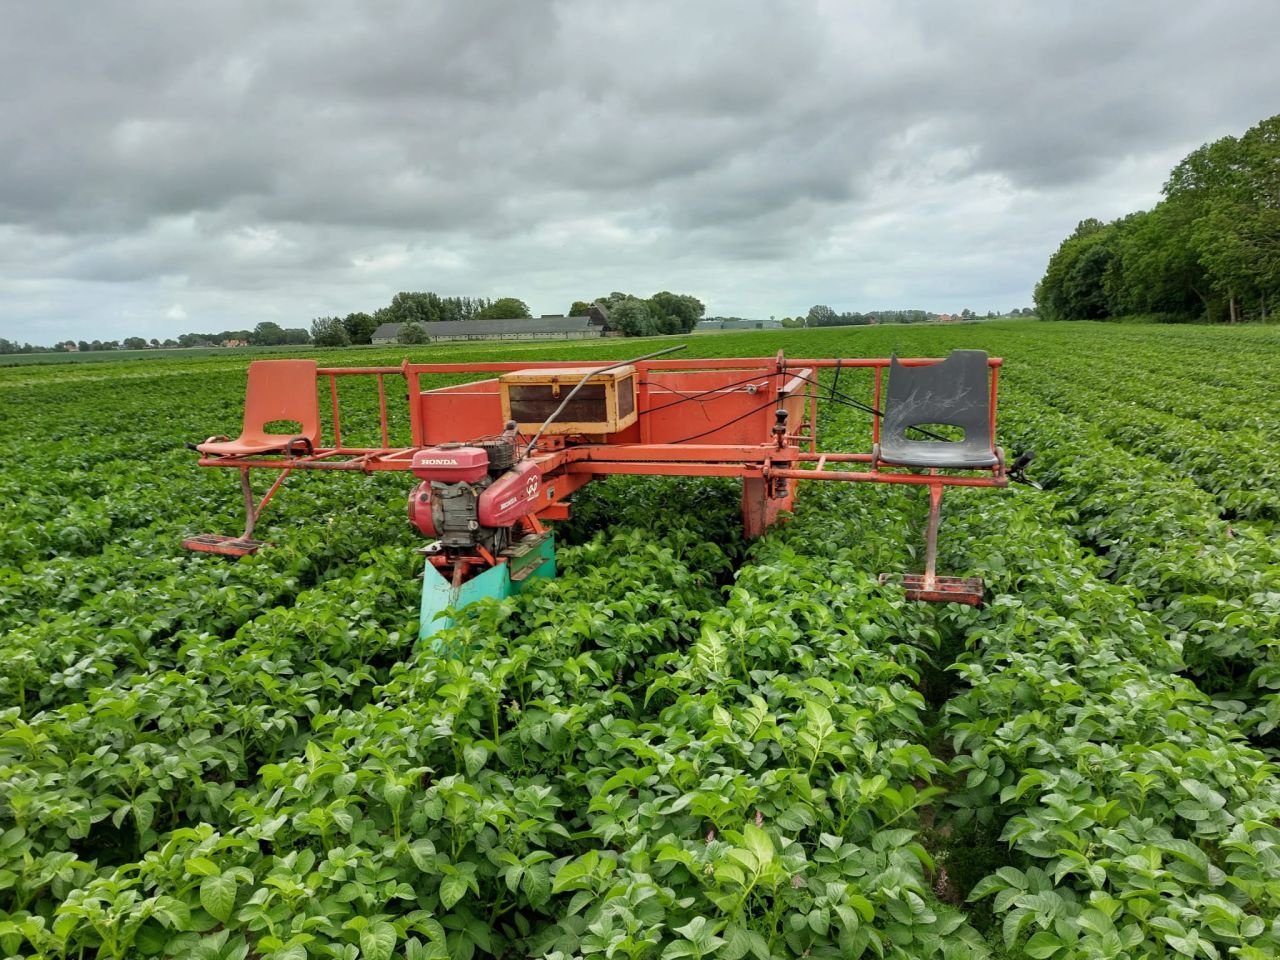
(107, 356)
(195, 353)
(756, 749)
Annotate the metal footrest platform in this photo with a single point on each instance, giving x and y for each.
(918, 586)
(226, 546)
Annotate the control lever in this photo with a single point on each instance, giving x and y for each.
(1018, 469)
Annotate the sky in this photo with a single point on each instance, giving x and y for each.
(167, 167)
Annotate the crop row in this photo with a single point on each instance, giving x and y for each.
(102, 779)
(653, 771)
(86, 623)
(1239, 467)
(1139, 820)
(1214, 587)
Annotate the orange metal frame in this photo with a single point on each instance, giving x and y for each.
(713, 417)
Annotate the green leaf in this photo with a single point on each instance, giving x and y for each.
(202, 867)
(1043, 945)
(574, 874)
(736, 943)
(423, 854)
(475, 757)
(394, 794)
(1014, 921)
(759, 843)
(537, 884)
(378, 941)
(218, 896)
(343, 784)
(452, 889)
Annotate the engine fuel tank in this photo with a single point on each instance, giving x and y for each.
(451, 463)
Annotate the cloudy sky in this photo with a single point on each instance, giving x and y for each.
(171, 167)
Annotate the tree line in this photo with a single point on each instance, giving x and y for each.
(1209, 250)
(413, 309)
(821, 315)
(265, 334)
(663, 312)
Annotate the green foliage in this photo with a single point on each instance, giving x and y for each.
(824, 316)
(504, 308)
(411, 333)
(684, 745)
(329, 332)
(1208, 250)
(428, 307)
(632, 317)
(663, 313)
(360, 327)
(268, 334)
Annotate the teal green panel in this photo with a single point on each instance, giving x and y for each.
(438, 597)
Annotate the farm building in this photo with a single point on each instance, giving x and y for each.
(716, 323)
(533, 328)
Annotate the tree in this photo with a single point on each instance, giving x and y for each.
(580, 308)
(505, 308)
(1210, 248)
(631, 316)
(329, 332)
(820, 315)
(675, 313)
(267, 334)
(359, 327)
(135, 343)
(411, 333)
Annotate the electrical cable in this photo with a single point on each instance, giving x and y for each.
(727, 423)
(723, 386)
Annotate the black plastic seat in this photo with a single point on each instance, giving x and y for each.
(955, 392)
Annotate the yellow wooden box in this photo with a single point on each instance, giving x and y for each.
(605, 404)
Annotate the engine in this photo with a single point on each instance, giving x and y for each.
(472, 494)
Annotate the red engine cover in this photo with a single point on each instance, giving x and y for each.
(513, 495)
(449, 464)
(420, 510)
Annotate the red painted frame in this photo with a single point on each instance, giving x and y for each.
(737, 397)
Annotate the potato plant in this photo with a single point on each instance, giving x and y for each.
(683, 746)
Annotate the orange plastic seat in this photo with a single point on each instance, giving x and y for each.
(277, 390)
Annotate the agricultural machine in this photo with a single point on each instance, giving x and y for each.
(495, 459)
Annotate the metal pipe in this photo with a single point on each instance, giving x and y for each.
(877, 477)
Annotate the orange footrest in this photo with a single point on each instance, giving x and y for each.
(226, 546)
(917, 586)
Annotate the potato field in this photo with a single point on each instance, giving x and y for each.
(686, 745)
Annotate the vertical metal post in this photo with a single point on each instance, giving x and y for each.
(417, 429)
(382, 410)
(931, 537)
(250, 511)
(333, 396)
(875, 404)
(995, 379)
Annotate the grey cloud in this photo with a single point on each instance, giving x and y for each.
(303, 158)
